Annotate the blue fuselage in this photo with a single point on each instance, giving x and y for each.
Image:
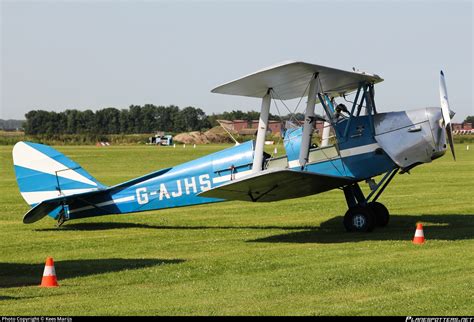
(357, 157)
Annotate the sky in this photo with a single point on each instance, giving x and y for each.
(58, 55)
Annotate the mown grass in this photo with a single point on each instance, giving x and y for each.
(234, 258)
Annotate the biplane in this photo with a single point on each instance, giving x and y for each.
(358, 143)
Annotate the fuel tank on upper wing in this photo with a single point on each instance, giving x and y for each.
(411, 137)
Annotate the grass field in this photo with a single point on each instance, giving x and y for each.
(286, 258)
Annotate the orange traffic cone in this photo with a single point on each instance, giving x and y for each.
(419, 236)
(49, 275)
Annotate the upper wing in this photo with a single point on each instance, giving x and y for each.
(276, 184)
(290, 79)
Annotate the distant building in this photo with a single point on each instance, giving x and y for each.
(318, 125)
(238, 125)
(244, 127)
(275, 127)
(463, 128)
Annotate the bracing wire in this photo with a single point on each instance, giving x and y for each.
(281, 121)
(292, 114)
(337, 143)
(275, 96)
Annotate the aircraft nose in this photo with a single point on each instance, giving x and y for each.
(435, 116)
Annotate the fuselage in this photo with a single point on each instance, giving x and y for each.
(367, 147)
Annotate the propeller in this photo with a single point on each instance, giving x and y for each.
(443, 95)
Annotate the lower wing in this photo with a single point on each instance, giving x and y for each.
(276, 184)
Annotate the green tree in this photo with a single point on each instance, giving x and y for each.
(124, 121)
(72, 120)
(148, 115)
(135, 118)
(469, 119)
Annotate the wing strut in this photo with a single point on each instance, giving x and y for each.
(308, 121)
(261, 132)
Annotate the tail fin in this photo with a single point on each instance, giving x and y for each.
(43, 173)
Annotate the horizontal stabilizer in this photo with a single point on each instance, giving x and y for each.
(47, 206)
(39, 211)
(276, 184)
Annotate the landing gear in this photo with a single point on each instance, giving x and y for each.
(61, 220)
(63, 215)
(359, 219)
(364, 215)
(382, 216)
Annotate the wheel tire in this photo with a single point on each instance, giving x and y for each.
(382, 216)
(360, 219)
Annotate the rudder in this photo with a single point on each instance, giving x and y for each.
(42, 173)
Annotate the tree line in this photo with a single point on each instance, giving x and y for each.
(11, 124)
(134, 120)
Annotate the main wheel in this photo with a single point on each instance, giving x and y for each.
(382, 216)
(359, 219)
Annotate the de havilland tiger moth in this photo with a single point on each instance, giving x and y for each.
(358, 144)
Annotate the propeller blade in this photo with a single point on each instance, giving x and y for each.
(449, 132)
(443, 96)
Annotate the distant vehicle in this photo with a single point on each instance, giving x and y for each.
(364, 144)
(161, 139)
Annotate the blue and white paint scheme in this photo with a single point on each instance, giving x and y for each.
(45, 175)
(364, 144)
